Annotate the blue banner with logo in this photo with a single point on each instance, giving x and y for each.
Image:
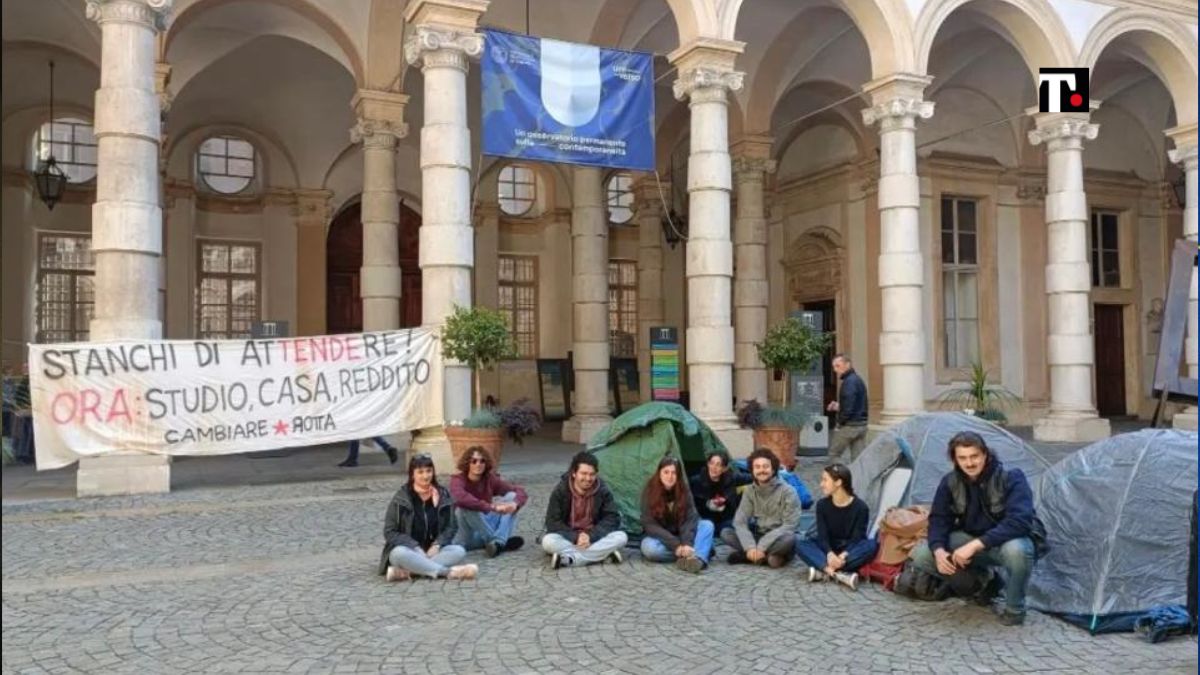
(555, 101)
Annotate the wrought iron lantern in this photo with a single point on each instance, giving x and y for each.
(49, 178)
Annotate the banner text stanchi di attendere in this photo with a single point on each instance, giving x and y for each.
(185, 397)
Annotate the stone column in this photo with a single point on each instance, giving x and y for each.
(1184, 154)
(380, 125)
(589, 283)
(897, 102)
(442, 41)
(1071, 350)
(127, 215)
(751, 290)
(313, 213)
(705, 75)
(650, 271)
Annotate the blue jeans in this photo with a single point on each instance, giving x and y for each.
(1015, 557)
(477, 528)
(418, 563)
(815, 555)
(656, 551)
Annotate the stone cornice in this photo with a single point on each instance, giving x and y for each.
(435, 47)
(453, 14)
(150, 13)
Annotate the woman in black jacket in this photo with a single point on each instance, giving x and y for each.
(674, 531)
(419, 527)
(715, 490)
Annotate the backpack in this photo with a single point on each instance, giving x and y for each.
(919, 585)
(902, 528)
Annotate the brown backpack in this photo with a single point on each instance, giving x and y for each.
(903, 527)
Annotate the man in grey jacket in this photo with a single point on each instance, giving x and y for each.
(764, 529)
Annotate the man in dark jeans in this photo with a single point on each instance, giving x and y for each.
(850, 437)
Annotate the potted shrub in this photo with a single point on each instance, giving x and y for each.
(776, 428)
(487, 427)
(788, 346)
(977, 397)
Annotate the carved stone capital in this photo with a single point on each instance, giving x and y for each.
(378, 133)
(752, 168)
(703, 84)
(900, 112)
(150, 13)
(1064, 132)
(436, 48)
(312, 207)
(1032, 191)
(1184, 155)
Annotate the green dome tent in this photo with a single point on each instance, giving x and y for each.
(631, 446)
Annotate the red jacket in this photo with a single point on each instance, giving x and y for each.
(477, 495)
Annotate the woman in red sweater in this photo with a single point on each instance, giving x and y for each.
(486, 505)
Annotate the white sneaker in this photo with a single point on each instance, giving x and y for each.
(615, 557)
(397, 573)
(848, 580)
(815, 575)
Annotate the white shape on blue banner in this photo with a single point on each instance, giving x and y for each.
(570, 81)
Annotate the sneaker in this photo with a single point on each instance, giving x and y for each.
(1012, 618)
(738, 558)
(848, 580)
(397, 573)
(615, 557)
(392, 454)
(514, 543)
(349, 462)
(815, 575)
(492, 548)
(558, 560)
(991, 590)
(463, 572)
(776, 561)
(690, 564)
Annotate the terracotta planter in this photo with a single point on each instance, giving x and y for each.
(780, 440)
(462, 438)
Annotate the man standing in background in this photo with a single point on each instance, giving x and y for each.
(850, 436)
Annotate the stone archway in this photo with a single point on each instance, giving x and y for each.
(343, 263)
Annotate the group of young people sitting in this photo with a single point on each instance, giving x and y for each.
(981, 519)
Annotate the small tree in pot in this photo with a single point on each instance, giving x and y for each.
(478, 337)
(789, 346)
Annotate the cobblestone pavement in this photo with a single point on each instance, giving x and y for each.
(282, 579)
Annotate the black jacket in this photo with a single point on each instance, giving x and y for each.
(704, 489)
(672, 532)
(852, 400)
(606, 518)
(397, 523)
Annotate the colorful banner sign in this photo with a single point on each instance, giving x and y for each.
(664, 364)
(565, 102)
(183, 397)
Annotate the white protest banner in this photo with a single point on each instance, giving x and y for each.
(189, 397)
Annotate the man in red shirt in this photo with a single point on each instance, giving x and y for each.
(486, 505)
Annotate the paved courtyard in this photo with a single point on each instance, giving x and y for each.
(281, 578)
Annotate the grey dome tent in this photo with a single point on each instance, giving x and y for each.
(904, 464)
(1118, 521)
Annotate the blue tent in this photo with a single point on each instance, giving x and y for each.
(1118, 522)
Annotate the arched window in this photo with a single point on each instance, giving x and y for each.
(226, 164)
(620, 198)
(72, 141)
(517, 189)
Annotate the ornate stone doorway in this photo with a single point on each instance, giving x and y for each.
(343, 263)
(813, 266)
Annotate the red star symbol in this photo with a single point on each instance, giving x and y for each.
(281, 428)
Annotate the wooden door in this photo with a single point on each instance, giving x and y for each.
(1110, 360)
(343, 264)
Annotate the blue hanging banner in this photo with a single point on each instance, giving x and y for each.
(564, 102)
